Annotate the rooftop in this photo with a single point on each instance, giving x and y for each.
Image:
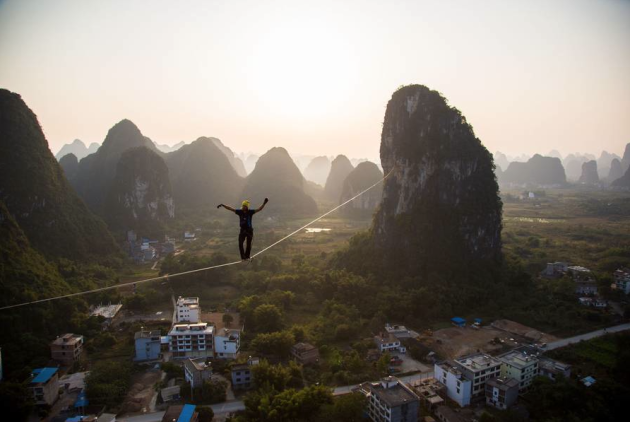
(108, 312)
(391, 391)
(197, 364)
(450, 366)
(147, 334)
(42, 375)
(197, 328)
(477, 362)
(228, 332)
(384, 338)
(68, 338)
(502, 383)
(552, 365)
(518, 359)
(303, 347)
(188, 301)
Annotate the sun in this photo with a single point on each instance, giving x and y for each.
(302, 70)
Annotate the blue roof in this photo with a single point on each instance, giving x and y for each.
(187, 413)
(478, 320)
(43, 375)
(82, 401)
(75, 419)
(458, 320)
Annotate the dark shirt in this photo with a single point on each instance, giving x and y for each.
(245, 218)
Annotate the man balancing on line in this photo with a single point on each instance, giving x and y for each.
(247, 230)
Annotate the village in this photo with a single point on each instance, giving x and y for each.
(462, 370)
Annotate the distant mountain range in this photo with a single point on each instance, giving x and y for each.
(78, 148)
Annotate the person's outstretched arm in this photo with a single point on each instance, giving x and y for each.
(263, 205)
(227, 207)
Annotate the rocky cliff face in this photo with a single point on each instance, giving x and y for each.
(340, 168)
(235, 162)
(70, 165)
(604, 162)
(140, 196)
(501, 161)
(537, 171)
(96, 171)
(317, 170)
(36, 192)
(616, 171)
(589, 173)
(440, 202)
(365, 175)
(277, 177)
(625, 160)
(202, 176)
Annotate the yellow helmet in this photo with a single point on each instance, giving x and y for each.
(245, 203)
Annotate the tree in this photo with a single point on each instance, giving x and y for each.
(271, 376)
(267, 318)
(206, 414)
(227, 320)
(15, 401)
(383, 363)
(347, 408)
(108, 382)
(278, 343)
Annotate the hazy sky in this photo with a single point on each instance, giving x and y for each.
(315, 77)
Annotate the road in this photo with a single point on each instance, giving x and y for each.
(593, 334)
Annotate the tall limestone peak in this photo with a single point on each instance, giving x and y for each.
(440, 203)
(96, 171)
(202, 175)
(625, 160)
(235, 162)
(616, 171)
(276, 176)
(140, 196)
(317, 170)
(537, 171)
(340, 168)
(36, 192)
(365, 175)
(589, 173)
(70, 165)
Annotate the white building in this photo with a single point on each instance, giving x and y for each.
(191, 340)
(227, 343)
(458, 388)
(386, 342)
(622, 280)
(187, 309)
(390, 401)
(479, 368)
(521, 366)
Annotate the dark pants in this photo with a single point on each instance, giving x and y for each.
(249, 235)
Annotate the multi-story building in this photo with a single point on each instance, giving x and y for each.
(479, 368)
(622, 280)
(197, 371)
(305, 353)
(458, 388)
(179, 413)
(555, 269)
(242, 376)
(187, 309)
(227, 343)
(521, 366)
(44, 385)
(551, 368)
(191, 340)
(148, 345)
(67, 348)
(390, 401)
(386, 342)
(501, 392)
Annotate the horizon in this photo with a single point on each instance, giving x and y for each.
(316, 79)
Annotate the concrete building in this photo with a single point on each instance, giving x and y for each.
(521, 366)
(458, 388)
(555, 269)
(446, 414)
(390, 400)
(398, 331)
(44, 385)
(386, 342)
(148, 345)
(479, 368)
(622, 280)
(185, 413)
(552, 368)
(187, 309)
(191, 340)
(197, 371)
(227, 343)
(242, 376)
(501, 392)
(430, 391)
(67, 349)
(305, 353)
